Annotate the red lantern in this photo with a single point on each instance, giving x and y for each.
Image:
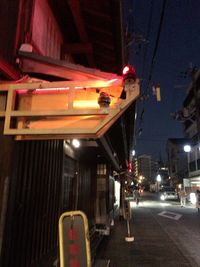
(129, 72)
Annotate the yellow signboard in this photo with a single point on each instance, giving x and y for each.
(74, 240)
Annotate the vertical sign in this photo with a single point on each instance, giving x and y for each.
(74, 240)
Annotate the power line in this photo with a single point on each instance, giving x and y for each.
(157, 42)
(147, 37)
(154, 52)
(144, 58)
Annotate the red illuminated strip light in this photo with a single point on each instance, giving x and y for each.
(55, 90)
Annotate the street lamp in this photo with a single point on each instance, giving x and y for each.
(133, 152)
(76, 143)
(158, 180)
(187, 148)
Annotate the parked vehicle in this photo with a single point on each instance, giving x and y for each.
(152, 188)
(168, 193)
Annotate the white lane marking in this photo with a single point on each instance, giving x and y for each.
(170, 215)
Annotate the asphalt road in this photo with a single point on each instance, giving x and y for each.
(165, 235)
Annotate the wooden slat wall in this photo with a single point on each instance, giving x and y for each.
(69, 184)
(87, 184)
(34, 203)
(28, 21)
(46, 35)
(6, 144)
(85, 190)
(79, 185)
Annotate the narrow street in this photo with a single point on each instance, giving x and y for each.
(164, 235)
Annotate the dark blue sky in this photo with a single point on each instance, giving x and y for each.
(178, 47)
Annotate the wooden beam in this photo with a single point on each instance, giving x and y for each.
(107, 46)
(53, 136)
(55, 113)
(77, 48)
(2, 113)
(80, 25)
(62, 131)
(98, 13)
(35, 63)
(91, 84)
(8, 70)
(100, 30)
(8, 110)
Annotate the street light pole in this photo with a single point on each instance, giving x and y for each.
(158, 180)
(187, 149)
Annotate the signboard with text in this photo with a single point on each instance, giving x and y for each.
(74, 240)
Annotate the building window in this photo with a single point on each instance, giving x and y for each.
(192, 166)
(101, 169)
(198, 164)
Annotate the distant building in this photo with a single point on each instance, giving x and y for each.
(177, 159)
(164, 173)
(144, 166)
(191, 121)
(154, 170)
(147, 167)
(135, 166)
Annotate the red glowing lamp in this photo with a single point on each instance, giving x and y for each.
(129, 72)
(130, 167)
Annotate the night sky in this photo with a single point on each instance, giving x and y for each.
(178, 49)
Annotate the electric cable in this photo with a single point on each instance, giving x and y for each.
(147, 38)
(155, 49)
(157, 42)
(144, 58)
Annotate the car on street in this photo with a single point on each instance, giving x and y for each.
(168, 193)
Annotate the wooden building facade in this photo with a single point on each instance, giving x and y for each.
(39, 179)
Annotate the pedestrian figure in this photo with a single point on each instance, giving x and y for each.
(198, 200)
(136, 196)
(182, 196)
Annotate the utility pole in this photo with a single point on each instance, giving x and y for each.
(195, 88)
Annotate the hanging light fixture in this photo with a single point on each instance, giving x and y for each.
(129, 72)
(76, 143)
(129, 78)
(104, 100)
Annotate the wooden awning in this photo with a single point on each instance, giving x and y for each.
(64, 109)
